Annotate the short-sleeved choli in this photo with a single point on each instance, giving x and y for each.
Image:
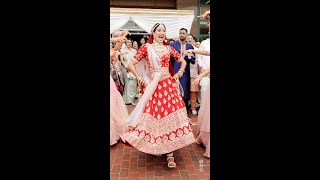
(141, 53)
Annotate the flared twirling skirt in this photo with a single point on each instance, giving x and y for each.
(163, 126)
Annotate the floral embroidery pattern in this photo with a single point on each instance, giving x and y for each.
(164, 125)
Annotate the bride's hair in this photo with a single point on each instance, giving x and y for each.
(164, 43)
(154, 28)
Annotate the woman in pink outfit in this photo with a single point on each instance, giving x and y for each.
(204, 117)
(204, 112)
(118, 114)
(118, 109)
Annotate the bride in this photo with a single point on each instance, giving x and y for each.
(159, 123)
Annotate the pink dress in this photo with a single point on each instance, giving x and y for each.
(204, 122)
(164, 124)
(118, 114)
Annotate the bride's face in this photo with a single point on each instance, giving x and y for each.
(160, 34)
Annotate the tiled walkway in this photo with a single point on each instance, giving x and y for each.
(128, 163)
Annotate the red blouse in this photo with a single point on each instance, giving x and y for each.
(165, 59)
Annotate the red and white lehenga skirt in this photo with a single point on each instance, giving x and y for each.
(163, 126)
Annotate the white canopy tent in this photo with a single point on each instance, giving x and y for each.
(146, 18)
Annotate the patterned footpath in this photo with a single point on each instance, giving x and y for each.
(127, 163)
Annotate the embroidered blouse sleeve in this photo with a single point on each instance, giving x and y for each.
(174, 53)
(141, 53)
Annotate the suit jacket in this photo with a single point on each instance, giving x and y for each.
(185, 79)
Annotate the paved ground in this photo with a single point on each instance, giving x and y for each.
(128, 163)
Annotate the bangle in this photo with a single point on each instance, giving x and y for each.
(140, 79)
(179, 74)
(181, 70)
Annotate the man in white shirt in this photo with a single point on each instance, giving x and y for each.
(204, 63)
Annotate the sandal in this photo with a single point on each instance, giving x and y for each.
(171, 164)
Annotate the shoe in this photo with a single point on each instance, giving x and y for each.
(194, 112)
(170, 159)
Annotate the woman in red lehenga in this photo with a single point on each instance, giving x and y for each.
(159, 123)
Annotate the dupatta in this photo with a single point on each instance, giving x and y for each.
(134, 118)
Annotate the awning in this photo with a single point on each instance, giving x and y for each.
(146, 18)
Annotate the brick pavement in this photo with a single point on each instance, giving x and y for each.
(127, 163)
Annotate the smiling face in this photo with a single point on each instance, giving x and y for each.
(160, 33)
(142, 41)
(135, 45)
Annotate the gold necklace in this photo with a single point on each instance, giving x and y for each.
(159, 47)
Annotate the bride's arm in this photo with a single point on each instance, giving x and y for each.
(132, 68)
(181, 71)
(180, 59)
